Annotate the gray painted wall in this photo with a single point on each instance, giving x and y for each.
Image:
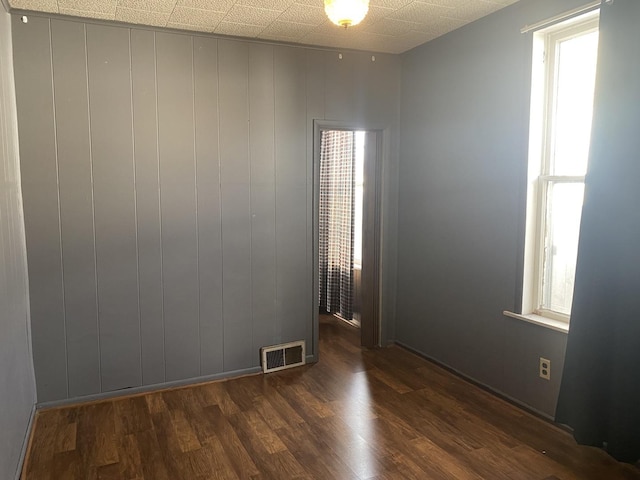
(167, 182)
(17, 385)
(462, 181)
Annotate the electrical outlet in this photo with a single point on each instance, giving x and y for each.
(545, 368)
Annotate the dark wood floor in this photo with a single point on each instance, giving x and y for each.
(357, 414)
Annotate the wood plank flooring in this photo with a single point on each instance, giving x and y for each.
(357, 414)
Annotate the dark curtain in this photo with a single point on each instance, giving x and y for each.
(337, 167)
(600, 391)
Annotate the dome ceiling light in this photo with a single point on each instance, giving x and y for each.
(346, 13)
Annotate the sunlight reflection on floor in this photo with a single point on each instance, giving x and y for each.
(358, 415)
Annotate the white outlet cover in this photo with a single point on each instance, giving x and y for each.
(545, 368)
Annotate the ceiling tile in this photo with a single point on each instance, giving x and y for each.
(304, 14)
(445, 25)
(88, 14)
(279, 5)
(238, 29)
(150, 5)
(328, 28)
(445, 3)
(419, 11)
(289, 30)
(390, 26)
(438, 25)
(371, 40)
(395, 4)
(251, 15)
(415, 37)
(196, 17)
(474, 10)
(215, 5)
(313, 3)
(89, 5)
(49, 6)
(375, 13)
(130, 15)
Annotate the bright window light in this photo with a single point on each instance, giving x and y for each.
(564, 73)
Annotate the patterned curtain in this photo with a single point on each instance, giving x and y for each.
(337, 168)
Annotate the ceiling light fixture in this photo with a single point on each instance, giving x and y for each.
(346, 13)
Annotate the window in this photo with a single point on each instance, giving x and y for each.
(564, 70)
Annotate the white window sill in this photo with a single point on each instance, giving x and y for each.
(557, 325)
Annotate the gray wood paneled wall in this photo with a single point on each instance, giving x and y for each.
(17, 385)
(167, 183)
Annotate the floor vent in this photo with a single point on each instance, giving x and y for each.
(286, 355)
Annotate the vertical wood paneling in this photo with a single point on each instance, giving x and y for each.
(236, 204)
(76, 206)
(233, 59)
(293, 279)
(208, 188)
(17, 383)
(315, 77)
(291, 120)
(339, 86)
(202, 197)
(364, 76)
(178, 204)
(145, 130)
(263, 195)
(113, 182)
(36, 124)
(315, 90)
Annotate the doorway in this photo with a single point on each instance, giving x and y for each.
(348, 227)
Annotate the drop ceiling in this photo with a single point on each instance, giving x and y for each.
(391, 26)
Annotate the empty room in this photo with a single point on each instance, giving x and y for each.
(319, 239)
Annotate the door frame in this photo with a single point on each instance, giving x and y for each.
(371, 333)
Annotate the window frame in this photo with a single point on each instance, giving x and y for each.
(540, 178)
